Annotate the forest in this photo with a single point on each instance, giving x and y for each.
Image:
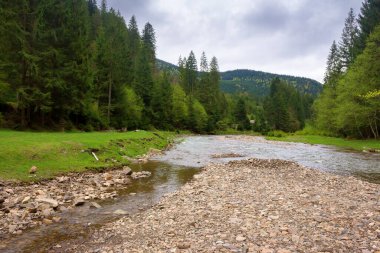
(349, 105)
(74, 65)
(78, 65)
(258, 82)
(69, 65)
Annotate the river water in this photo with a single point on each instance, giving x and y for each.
(197, 151)
(176, 167)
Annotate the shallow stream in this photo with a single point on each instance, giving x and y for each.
(176, 167)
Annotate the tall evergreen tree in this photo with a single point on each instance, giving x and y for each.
(134, 40)
(204, 63)
(190, 79)
(334, 66)
(241, 116)
(162, 102)
(143, 81)
(347, 43)
(149, 42)
(368, 19)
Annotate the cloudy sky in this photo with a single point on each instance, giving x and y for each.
(279, 36)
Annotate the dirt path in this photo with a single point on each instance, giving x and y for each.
(252, 206)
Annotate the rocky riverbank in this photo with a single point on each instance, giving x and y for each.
(29, 205)
(252, 206)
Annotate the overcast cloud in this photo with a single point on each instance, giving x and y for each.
(280, 36)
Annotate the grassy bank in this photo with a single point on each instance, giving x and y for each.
(57, 153)
(338, 142)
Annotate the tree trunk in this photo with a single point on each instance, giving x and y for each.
(109, 101)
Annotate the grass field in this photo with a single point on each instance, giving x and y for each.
(57, 153)
(339, 142)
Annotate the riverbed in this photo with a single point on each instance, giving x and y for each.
(175, 168)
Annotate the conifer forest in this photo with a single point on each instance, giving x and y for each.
(78, 65)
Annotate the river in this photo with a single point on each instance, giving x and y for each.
(177, 166)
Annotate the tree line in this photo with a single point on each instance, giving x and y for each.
(349, 105)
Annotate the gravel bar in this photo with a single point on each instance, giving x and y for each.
(267, 206)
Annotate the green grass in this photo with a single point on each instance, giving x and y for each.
(57, 153)
(338, 142)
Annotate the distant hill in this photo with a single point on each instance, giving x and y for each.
(253, 82)
(258, 82)
(163, 65)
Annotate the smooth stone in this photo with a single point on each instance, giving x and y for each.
(240, 238)
(95, 205)
(120, 212)
(51, 202)
(79, 202)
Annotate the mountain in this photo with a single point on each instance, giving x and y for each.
(163, 65)
(258, 82)
(253, 82)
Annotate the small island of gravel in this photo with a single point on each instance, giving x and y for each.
(253, 206)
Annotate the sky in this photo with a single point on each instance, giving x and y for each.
(290, 37)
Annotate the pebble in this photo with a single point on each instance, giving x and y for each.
(240, 238)
(252, 206)
(51, 197)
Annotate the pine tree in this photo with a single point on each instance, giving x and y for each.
(143, 81)
(191, 69)
(368, 19)
(162, 102)
(347, 43)
(134, 40)
(334, 66)
(204, 63)
(149, 42)
(241, 115)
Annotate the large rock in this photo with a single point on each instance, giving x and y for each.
(79, 202)
(127, 171)
(25, 200)
(52, 202)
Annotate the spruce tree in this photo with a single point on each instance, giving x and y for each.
(348, 38)
(334, 66)
(241, 115)
(204, 63)
(369, 18)
(149, 42)
(191, 69)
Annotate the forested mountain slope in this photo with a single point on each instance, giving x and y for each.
(254, 82)
(258, 82)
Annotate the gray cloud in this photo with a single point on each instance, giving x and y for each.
(282, 36)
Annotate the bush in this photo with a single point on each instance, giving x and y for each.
(222, 125)
(311, 130)
(277, 133)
